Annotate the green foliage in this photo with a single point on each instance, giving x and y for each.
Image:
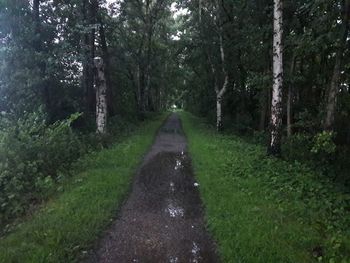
(318, 151)
(298, 147)
(312, 37)
(70, 223)
(263, 209)
(32, 156)
(324, 143)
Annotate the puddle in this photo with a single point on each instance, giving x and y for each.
(174, 259)
(178, 165)
(195, 252)
(172, 187)
(175, 211)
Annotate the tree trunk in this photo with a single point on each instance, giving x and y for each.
(147, 73)
(219, 125)
(290, 99)
(334, 86)
(146, 93)
(101, 97)
(43, 85)
(141, 83)
(139, 90)
(220, 93)
(219, 96)
(89, 54)
(276, 105)
(111, 108)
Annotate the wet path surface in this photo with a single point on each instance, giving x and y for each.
(162, 220)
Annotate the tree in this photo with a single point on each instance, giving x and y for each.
(101, 96)
(276, 104)
(334, 85)
(216, 16)
(220, 91)
(89, 11)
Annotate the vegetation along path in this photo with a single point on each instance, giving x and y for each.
(162, 221)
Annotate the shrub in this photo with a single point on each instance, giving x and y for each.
(32, 156)
(324, 144)
(298, 147)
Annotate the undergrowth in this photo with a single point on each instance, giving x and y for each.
(70, 222)
(263, 209)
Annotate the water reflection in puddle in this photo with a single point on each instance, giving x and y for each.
(195, 252)
(173, 259)
(178, 164)
(175, 211)
(172, 187)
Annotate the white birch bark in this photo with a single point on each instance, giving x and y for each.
(276, 104)
(220, 92)
(101, 97)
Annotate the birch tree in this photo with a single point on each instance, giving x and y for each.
(101, 96)
(276, 104)
(220, 89)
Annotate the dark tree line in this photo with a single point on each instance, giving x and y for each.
(48, 50)
(314, 107)
(67, 69)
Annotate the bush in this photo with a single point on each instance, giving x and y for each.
(298, 147)
(318, 151)
(324, 144)
(33, 154)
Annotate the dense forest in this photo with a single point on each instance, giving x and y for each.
(48, 80)
(78, 75)
(228, 57)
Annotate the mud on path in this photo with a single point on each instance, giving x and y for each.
(162, 220)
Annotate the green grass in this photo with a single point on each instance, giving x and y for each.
(68, 224)
(262, 209)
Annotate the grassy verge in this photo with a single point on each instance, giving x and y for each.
(69, 223)
(262, 209)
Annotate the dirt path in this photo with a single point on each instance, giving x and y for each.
(162, 221)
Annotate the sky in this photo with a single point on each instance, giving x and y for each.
(177, 12)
